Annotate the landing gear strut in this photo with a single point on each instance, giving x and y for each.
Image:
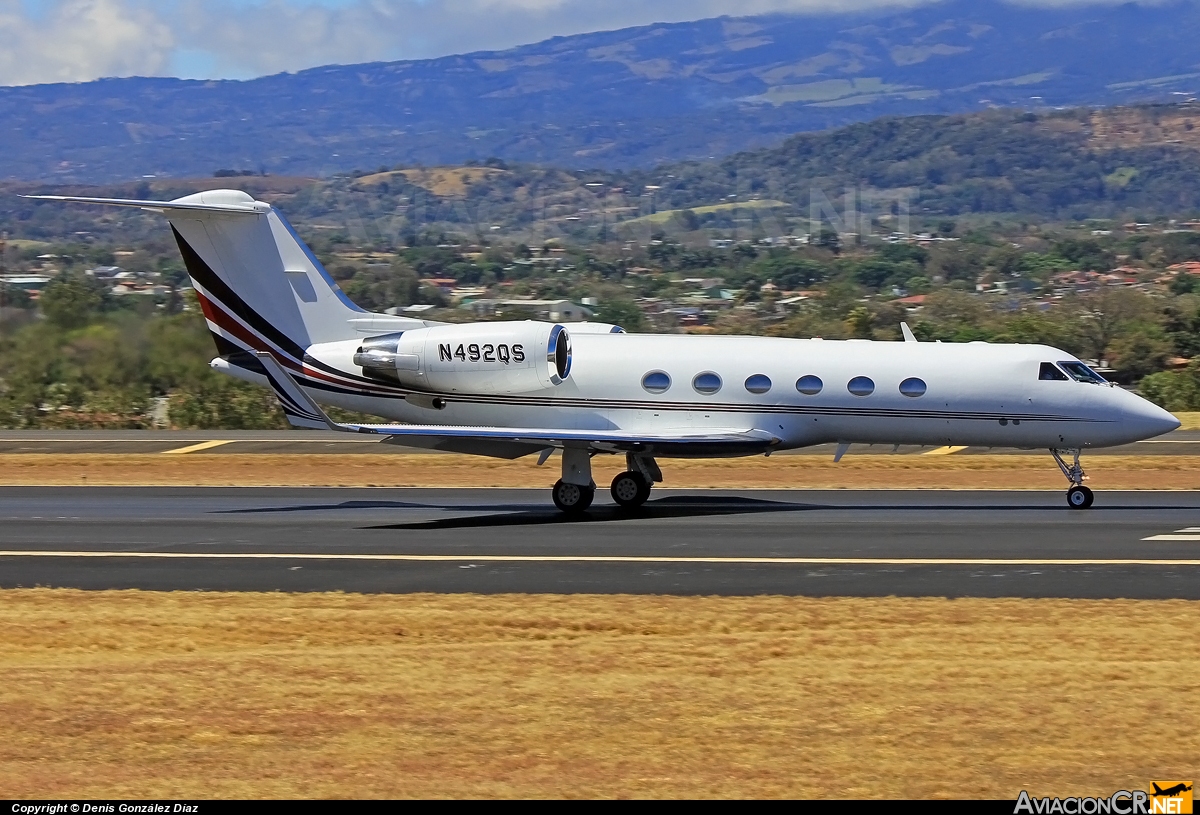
(1078, 496)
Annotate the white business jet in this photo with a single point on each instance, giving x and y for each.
(511, 389)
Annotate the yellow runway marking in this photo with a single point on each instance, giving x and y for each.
(785, 561)
(943, 451)
(193, 448)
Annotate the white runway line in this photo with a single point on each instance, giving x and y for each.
(782, 561)
(1191, 533)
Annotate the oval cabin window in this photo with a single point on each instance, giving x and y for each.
(656, 382)
(861, 386)
(809, 385)
(913, 387)
(758, 383)
(707, 383)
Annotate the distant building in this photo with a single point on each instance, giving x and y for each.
(552, 310)
(26, 282)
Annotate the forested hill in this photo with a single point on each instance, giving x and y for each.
(621, 99)
(1084, 163)
(1136, 163)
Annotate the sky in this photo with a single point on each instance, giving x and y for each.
(81, 40)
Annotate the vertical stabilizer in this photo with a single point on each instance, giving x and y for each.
(259, 285)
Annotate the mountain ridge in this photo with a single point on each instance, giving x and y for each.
(628, 98)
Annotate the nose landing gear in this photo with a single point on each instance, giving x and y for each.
(1078, 496)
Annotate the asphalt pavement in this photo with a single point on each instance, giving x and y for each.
(821, 543)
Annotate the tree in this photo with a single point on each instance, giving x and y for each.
(70, 301)
(828, 239)
(1104, 314)
(1174, 390)
(1139, 352)
(622, 312)
(859, 323)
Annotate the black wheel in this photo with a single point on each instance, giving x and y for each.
(630, 489)
(572, 498)
(1079, 498)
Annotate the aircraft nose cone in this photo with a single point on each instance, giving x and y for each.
(1149, 420)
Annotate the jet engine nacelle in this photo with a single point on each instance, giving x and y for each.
(501, 357)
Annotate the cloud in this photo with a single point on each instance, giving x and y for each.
(80, 40)
(73, 40)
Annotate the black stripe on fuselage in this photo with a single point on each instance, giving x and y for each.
(227, 297)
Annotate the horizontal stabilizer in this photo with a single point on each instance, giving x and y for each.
(511, 442)
(249, 207)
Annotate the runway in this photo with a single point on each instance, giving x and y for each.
(819, 543)
(204, 442)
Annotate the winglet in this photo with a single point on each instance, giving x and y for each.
(907, 332)
(301, 411)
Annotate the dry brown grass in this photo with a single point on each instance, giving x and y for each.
(328, 695)
(443, 181)
(1190, 421)
(776, 472)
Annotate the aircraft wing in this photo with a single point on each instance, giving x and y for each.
(514, 442)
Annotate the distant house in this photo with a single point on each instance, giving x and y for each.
(443, 283)
(26, 282)
(552, 310)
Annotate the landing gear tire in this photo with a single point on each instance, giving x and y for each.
(1079, 498)
(572, 498)
(630, 489)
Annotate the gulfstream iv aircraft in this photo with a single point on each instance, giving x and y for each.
(511, 389)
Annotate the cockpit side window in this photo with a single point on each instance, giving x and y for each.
(1082, 373)
(1050, 372)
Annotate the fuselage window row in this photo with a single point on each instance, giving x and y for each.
(709, 383)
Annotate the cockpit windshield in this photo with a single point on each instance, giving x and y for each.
(1082, 373)
(1049, 373)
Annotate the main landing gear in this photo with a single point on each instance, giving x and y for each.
(1078, 496)
(573, 498)
(631, 488)
(575, 491)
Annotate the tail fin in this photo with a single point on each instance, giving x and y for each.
(260, 287)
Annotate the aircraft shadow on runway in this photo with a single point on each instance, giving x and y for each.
(663, 508)
(366, 505)
(672, 507)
